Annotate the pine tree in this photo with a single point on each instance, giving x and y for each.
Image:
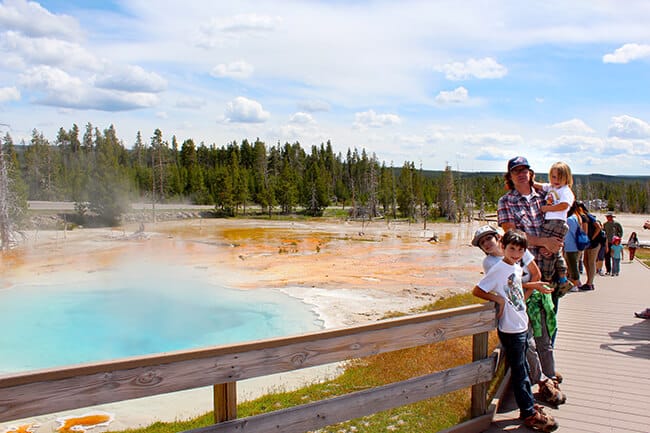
(13, 201)
(108, 189)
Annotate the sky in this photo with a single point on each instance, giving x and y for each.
(466, 84)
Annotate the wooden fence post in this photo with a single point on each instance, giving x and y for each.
(225, 401)
(479, 392)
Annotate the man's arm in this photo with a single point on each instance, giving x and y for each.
(552, 244)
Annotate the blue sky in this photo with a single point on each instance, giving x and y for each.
(469, 84)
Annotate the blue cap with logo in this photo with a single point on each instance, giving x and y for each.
(517, 161)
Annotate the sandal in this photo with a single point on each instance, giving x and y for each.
(541, 421)
(550, 393)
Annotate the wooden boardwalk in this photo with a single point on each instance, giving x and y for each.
(603, 352)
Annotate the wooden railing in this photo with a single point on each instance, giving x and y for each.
(35, 393)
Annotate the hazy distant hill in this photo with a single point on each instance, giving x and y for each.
(578, 178)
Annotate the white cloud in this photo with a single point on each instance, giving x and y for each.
(45, 50)
(627, 53)
(190, 102)
(31, 19)
(457, 96)
(628, 127)
(631, 147)
(573, 126)
(314, 105)
(570, 144)
(131, 79)
(243, 110)
(217, 31)
(493, 153)
(239, 69)
(51, 79)
(246, 23)
(486, 68)
(302, 118)
(162, 115)
(370, 119)
(63, 90)
(9, 94)
(494, 139)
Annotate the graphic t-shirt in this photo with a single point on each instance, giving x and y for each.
(490, 261)
(555, 196)
(505, 280)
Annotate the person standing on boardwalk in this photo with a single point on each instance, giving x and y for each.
(541, 317)
(521, 208)
(617, 255)
(632, 245)
(590, 256)
(612, 228)
(503, 286)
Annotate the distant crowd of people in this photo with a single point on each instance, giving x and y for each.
(549, 239)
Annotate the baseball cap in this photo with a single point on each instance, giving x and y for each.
(516, 162)
(483, 231)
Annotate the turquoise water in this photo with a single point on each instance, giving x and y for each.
(115, 316)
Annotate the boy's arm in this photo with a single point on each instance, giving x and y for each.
(531, 286)
(489, 296)
(536, 276)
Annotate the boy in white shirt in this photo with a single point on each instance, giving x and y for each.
(503, 286)
(541, 317)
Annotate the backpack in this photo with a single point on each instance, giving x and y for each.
(582, 240)
(594, 230)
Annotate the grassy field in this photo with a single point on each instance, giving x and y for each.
(428, 416)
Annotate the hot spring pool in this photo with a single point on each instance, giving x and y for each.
(113, 315)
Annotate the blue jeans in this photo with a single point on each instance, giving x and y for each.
(616, 266)
(514, 346)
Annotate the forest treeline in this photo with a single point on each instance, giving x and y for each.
(94, 169)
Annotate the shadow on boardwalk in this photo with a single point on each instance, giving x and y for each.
(603, 352)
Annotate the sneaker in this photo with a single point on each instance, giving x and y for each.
(541, 421)
(549, 392)
(645, 314)
(586, 286)
(563, 289)
(601, 273)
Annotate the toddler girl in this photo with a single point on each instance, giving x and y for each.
(616, 252)
(559, 199)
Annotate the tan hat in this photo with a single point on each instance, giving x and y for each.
(483, 231)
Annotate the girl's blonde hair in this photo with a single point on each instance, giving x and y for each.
(563, 172)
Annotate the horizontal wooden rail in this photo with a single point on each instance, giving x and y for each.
(322, 413)
(46, 391)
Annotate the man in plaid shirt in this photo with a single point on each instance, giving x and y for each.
(521, 208)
